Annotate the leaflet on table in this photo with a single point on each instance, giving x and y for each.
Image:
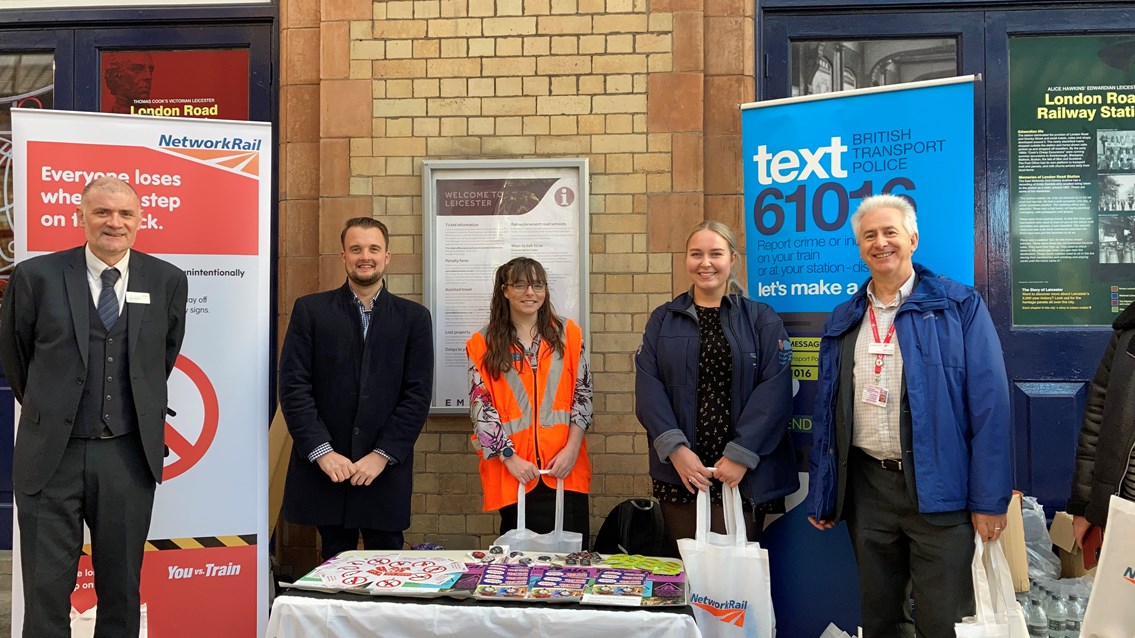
(588, 585)
(635, 588)
(662, 583)
(386, 574)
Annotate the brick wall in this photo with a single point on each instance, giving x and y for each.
(371, 89)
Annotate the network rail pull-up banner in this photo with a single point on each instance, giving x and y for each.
(808, 162)
(205, 190)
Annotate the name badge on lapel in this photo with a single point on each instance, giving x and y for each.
(137, 297)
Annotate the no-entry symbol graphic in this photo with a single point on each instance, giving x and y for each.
(188, 451)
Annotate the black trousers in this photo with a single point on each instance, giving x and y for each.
(681, 522)
(336, 538)
(106, 484)
(903, 554)
(540, 512)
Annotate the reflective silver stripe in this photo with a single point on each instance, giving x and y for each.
(554, 417)
(548, 416)
(547, 402)
(516, 386)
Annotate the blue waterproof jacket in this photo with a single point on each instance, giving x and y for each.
(666, 367)
(954, 377)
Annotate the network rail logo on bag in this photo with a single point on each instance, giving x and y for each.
(1129, 574)
(731, 611)
(235, 153)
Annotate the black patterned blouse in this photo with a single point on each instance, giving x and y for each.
(715, 409)
(715, 404)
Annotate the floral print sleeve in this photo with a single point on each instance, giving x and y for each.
(486, 420)
(581, 406)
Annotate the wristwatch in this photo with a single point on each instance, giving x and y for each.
(506, 454)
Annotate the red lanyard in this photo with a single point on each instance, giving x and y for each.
(875, 331)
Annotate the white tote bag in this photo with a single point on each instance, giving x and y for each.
(999, 615)
(557, 541)
(727, 576)
(1111, 607)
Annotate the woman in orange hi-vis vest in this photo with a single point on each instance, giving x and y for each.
(530, 401)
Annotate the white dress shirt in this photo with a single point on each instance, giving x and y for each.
(95, 266)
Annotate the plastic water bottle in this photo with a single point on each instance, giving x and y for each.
(1075, 616)
(1057, 613)
(1035, 617)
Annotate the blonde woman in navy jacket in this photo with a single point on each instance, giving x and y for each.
(713, 388)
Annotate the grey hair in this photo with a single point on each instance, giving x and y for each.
(886, 200)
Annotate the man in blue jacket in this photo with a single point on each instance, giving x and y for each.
(911, 431)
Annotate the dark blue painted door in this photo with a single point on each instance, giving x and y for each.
(802, 48)
(1048, 366)
(809, 53)
(36, 72)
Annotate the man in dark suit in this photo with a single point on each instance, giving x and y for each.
(356, 376)
(88, 337)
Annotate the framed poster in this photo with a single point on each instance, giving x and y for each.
(479, 214)
(1072, 170)
(200, 83)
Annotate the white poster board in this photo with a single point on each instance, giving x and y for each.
(206, 194)
(479, 214)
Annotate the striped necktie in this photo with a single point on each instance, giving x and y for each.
(108, 301)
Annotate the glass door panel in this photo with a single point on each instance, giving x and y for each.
(821, 66)
(27, 80)
(35, 72)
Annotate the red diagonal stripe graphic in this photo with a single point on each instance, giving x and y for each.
(737, 617)
(177, 443)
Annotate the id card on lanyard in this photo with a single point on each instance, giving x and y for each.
(875, 393)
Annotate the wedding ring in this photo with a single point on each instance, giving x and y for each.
(997, 529)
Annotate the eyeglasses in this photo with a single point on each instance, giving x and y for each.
(523, 286)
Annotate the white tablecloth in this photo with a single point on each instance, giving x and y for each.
(303, 617)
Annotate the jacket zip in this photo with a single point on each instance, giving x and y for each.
(697, 370)
(731, 339)
(536, 407)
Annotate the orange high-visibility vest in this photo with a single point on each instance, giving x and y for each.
(535, 412)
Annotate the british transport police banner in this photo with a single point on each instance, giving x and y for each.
(808, 162)
(206, 195)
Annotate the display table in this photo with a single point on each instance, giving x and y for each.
(297, 614)
(311, 614)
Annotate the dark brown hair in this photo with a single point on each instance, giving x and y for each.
(500, 334)
(365, 222)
